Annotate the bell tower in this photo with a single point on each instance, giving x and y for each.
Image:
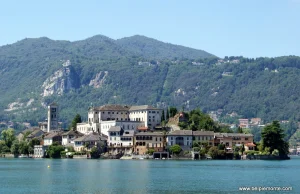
(52, 117)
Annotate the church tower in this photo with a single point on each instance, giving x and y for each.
(52, 117)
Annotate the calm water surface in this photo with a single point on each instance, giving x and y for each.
(145, 176)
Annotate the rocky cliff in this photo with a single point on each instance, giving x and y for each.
(60, 81)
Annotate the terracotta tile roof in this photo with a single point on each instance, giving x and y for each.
(250, 144)
(142, 128)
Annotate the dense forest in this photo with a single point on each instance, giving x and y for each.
(140, 70)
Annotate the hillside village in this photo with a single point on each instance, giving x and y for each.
(122, 131)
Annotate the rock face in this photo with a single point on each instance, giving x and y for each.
(99, 79)
(61, 81)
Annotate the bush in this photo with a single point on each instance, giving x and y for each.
(275, 152)
(203, 152)
(236, 155)
(95, 152)
(150, 151)
(252, 152)
(186, 152)
(63, 154)
(54, 151)
(221, 147)
(213, 152)
(176, 149)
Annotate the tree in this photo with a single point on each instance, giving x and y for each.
(150, 151)
(77, 119)
(176, 149)
(3, 147)
(23, 147)
(239, 130)
(221, 147)
(34, 142)
(54, 150)
(8, 136)
(15, 147)
(167, 116)
(243, 149)
(213, 152)
(95, 153)
(173, 111)
(273, 138)
(163, 116)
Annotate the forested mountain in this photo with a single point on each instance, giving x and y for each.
(140, 70)
(154, 49)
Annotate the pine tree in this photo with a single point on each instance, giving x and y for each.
(77, 119)
(168, 116)
(163, 116)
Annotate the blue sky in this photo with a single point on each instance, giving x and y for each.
(251, 28)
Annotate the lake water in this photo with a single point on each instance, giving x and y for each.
(146, 176)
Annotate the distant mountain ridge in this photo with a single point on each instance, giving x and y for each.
(151, 48)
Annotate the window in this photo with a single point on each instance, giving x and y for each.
(246, 138)
(117, 112)
(153, 117)
(171, 138)
(149, 120)
(108, 112)
(112, 113)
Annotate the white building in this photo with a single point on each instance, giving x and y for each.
(39, 151)
(120, 140)
(184, 138)
(87, 142)
(53, 136)
(100, 119)
(69, 137)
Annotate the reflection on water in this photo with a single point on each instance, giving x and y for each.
(144, 176)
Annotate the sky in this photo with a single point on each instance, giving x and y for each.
(249, 28)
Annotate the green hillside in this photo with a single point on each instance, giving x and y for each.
(154, 49)
(140, 70)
